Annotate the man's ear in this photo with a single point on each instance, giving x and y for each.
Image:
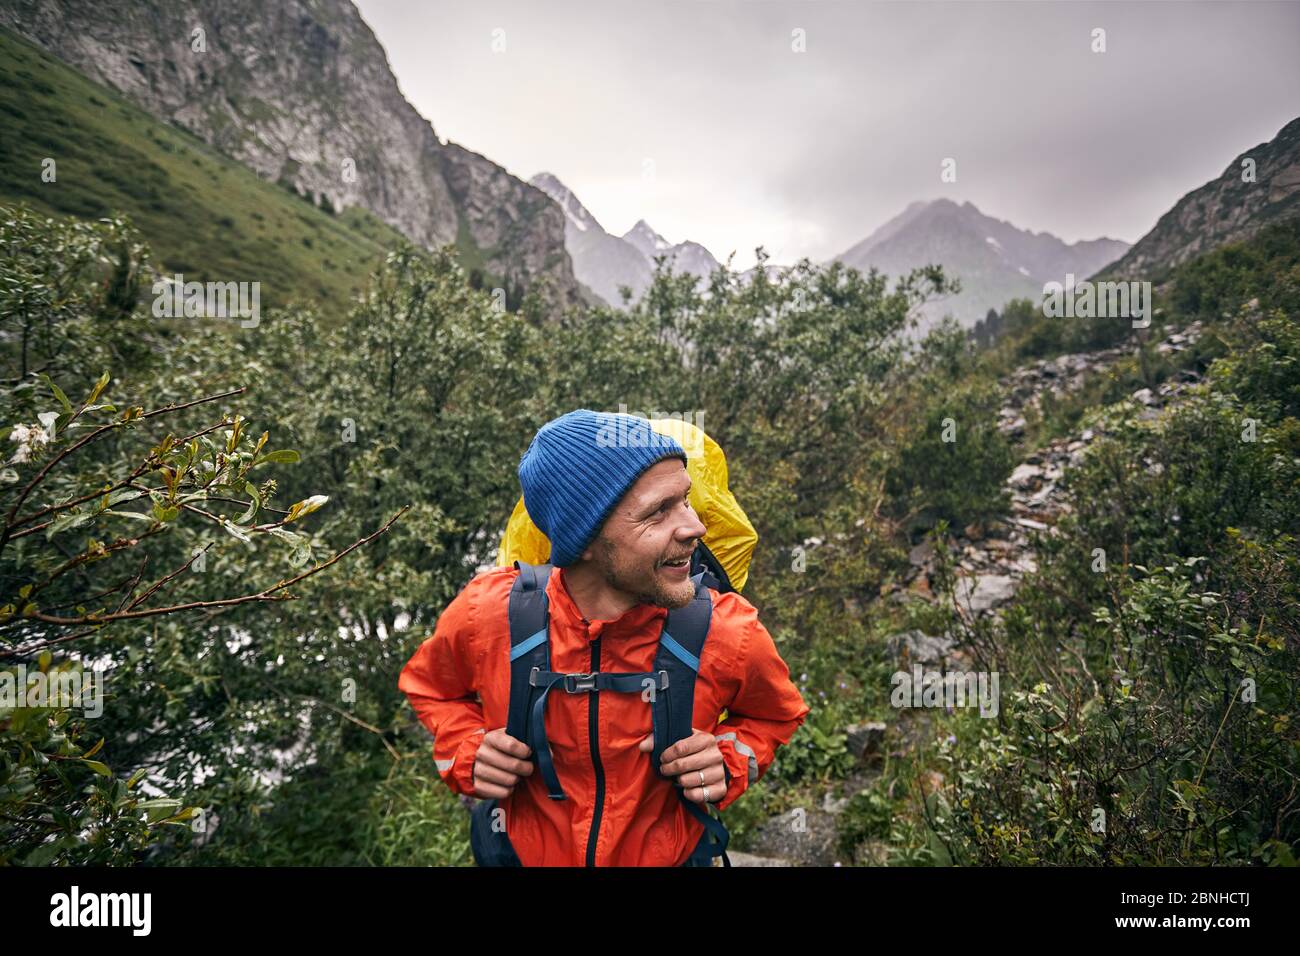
(598, 541)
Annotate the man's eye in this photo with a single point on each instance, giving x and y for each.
(663, 508)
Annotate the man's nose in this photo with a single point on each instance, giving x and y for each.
(694, 528)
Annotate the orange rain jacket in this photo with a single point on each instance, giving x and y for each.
(640, 821)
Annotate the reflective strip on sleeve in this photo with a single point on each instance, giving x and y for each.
(445, 765)
(742, 748)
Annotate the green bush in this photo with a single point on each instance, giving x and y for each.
(1164, 736)
(953, 467)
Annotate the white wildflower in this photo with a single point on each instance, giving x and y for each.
(29, 439)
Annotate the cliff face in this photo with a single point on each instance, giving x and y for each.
(301, 92)
(1224, 210)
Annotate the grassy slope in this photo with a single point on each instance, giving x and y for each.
(202, 214)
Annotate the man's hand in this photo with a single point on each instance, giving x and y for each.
(497, 765)
(697, 764)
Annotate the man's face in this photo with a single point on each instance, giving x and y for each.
(654, 523)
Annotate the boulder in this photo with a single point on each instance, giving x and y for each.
(985, 592)
(921, 554)
(866, 740)
(919, 647)
(1026, 477)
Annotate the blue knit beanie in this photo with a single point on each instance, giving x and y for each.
(578, 467)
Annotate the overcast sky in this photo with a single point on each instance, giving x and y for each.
(700, 117)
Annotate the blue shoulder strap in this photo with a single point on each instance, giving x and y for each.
(678, 657)
(671, 684)
(530, 648)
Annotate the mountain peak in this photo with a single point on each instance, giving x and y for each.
(1227, 209)
(574, 211)
(321, 97)
(994, 259)
(647, 240)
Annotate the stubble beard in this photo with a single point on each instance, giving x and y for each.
(634, 582)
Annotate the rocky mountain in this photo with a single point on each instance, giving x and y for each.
(689, 257)
(301, 92)
(601, 262)
(604, 262)
(995, 260)
(1231, 208)
(648, 242)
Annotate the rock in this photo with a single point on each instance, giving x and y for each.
(919, 647)
(1144, 396)
(750, 859)
(1027, 477)
(985, 592)
(1042, 495)
(1030, 523)
(921, 554)
(802, 836)
(832, 804)
(299, 93)
(866, 740)
(1014, 427)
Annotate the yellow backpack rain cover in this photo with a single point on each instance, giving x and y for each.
(728, 533)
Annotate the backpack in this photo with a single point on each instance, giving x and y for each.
(676, 663)
(729, 538)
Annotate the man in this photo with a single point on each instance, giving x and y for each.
(622, 532)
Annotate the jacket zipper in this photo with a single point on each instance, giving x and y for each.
(593, 718)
